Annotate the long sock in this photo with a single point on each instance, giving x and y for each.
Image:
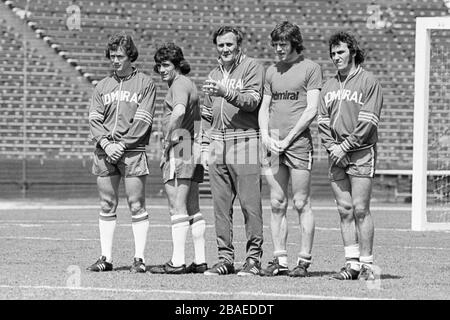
(366, 259)
(305, 258)
(180, 227)
(282, 257)
(352, 256)
(107, 225)
(140, 224)
(198, 227)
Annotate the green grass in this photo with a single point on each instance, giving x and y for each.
(40, 248)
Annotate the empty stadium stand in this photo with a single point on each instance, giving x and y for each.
(52, 123)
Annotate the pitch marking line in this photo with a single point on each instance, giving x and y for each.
(237, 242)
(245, 294)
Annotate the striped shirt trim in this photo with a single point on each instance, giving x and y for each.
(255, 94)
(206, 113)
(323, 120)
(345, 146)
(232, 135)
(95, 115)
(104, 143)
(369, 117)
(144, 115)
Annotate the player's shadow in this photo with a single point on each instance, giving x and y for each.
(123, 268)
(327, 274)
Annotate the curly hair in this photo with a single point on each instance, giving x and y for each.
(173, 53)
(124, 41)
(287, 31)
(226, 29)
(352, 45)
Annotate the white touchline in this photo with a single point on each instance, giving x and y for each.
(208, 293)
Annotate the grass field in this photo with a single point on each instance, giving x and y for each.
(45, 247)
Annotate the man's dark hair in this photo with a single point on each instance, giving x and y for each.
(173, 53)
(124, 41)
(352, 45)
(287, 31)
(226, 29)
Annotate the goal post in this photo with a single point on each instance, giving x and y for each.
(422, 174)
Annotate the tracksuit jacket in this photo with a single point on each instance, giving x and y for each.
(349, 111)
(235, 115)
(122, 110)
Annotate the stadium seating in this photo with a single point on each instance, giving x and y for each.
(56, 112)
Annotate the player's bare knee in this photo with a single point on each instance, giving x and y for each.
(108, 205)
(136, 207)
(279, 205)
(300, 204)
(361, 212)
(345, 210)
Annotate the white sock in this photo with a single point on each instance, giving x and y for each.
(140, 225)
(107, 225)
(282, 257)
(180, 227)
(352, 256)
(198, 227)
(366, 259)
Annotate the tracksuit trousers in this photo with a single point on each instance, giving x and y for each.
(235, 171)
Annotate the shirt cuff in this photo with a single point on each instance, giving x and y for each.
(104, 143)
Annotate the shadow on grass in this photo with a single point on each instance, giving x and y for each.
(329, 273)
(123, 268)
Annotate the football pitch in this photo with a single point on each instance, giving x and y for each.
(45, 247)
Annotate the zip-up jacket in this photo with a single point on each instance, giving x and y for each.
(122, 111)
(235, 115)
(349, 111)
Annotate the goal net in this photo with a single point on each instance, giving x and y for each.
(431, 155)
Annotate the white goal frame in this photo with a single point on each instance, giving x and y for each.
(424, 25)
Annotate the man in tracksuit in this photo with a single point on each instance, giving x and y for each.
(120, 121)
(233, 94)
(349, 112)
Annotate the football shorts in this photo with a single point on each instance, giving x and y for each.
(131, 164)
(182, 168)
(361, 164)
(294, 157)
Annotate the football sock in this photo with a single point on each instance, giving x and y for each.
(180, 227)
(305, 257)
(107, 225)
(140, 225)
(366, 259)
(282, 257)
(352, 256)
(198, 227)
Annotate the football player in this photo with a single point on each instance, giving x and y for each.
(349, 113)
(120, 121)
(291, 97)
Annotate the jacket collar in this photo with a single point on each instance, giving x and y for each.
(241, 56)
(128, 77)
(351, 75)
